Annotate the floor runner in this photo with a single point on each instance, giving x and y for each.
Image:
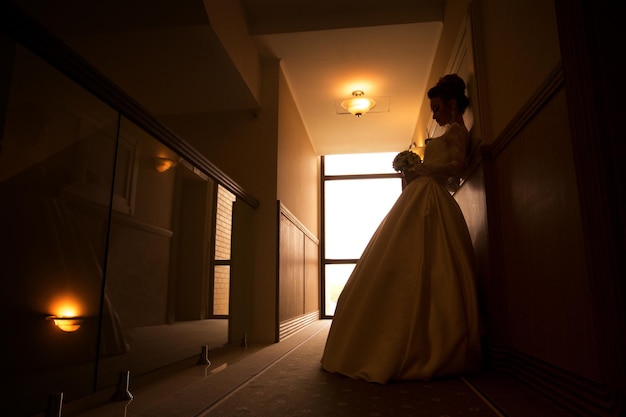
(295, 385)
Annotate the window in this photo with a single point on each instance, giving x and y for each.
(358, 191)
(221, 263)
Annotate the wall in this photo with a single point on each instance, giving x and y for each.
(455, 15)
(545, 292)
(299, 196)
(299, 276)
(298, 165)
(228, 22)
(244, 145)
(590, 36)
(518, 47)
(543, 324)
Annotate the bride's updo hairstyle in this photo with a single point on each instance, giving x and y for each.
(451, 86)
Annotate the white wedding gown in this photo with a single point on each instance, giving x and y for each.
(409, 310)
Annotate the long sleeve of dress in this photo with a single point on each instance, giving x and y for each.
(445, 156)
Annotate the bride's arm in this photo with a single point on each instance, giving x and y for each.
(458, 144)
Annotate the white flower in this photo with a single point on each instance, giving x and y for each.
(406, 160)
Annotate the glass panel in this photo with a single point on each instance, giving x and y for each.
(223, 223)
(120, 242)
(56, 174)
(336, 277)
(354, 209)
(366, 163)
(221, 290)
(157, 280)
(223, 237)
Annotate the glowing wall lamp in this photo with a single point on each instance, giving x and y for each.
(358, 104)
(66, 312)
(67, 324)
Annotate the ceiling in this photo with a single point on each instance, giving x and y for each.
(171, 61)
(384, 48)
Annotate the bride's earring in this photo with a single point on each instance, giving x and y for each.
(452, 116)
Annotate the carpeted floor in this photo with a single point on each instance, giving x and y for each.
(286, 380)
(295, 385)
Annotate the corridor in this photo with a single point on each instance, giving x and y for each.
(285, 379)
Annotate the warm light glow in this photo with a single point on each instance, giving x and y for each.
(66, 313)
(163, 164)
(358, 105)
(66, 305)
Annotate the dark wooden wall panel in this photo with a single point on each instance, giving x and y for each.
(291, 271)
(298, 275)
(549, 309)
(541, 315)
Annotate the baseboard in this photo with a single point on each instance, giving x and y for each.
(580, 395)
(288, 327)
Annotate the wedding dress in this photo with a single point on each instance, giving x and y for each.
(409, 310)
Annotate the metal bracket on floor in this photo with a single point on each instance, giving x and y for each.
(122, 393)
(55, 405)
(204, 356)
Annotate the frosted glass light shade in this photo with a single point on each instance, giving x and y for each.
(358, 104)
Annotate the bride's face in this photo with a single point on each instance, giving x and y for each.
(442, 111)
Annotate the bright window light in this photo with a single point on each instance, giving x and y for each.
(336, 277)
(360, 163)
(353, 210)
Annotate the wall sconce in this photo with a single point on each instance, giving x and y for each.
(358, 104)
(163, 164)
(67, 324)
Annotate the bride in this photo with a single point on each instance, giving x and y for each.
(409, 310)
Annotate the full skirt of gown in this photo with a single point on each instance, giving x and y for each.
(409, 310)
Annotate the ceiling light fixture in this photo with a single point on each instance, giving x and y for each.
(358, 104)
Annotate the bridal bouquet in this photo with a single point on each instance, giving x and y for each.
(406, 160)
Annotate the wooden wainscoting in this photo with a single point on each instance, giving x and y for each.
(298, 275)
(547, 321)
